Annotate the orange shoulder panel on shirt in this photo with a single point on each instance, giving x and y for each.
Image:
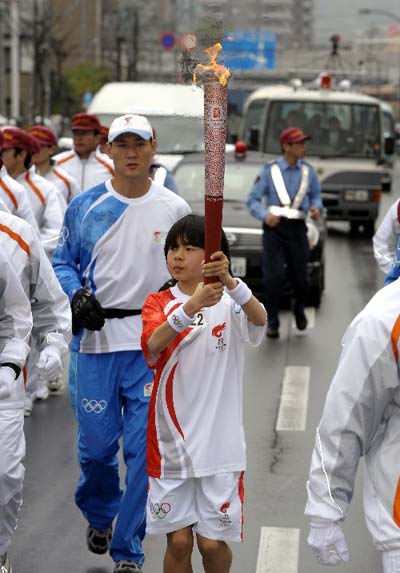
(65, 180)
(61, 161)
(17, 238)
(395, 335)
(111, 170)
(34, 188)
(9, 193)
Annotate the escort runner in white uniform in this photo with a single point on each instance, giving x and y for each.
(361, 417)
(85, 163)
(51, 311)
(18, 148)
(15, 330)
(45, 165)
(386, 237)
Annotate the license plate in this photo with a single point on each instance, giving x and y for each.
(239, 266)
(356, 195)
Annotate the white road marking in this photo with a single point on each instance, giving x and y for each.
(310, 314)
(292, 415)
(278, 550)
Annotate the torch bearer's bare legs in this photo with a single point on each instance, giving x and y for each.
(178, 556)
(217, 555)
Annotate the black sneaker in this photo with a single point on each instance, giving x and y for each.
(98, 540)
(301, 319)
(5, 565)
(272, 332)
(127, 567)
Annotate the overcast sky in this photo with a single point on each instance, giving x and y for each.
(341, 17)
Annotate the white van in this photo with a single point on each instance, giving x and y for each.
(174, 110)
(352, 144)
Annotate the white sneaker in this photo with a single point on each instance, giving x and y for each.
(5, 565)
(56, 386)
(28, 407)
(42, 393)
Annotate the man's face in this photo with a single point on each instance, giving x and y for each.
(85, 142)
(295, 150)
(42, 156)
(14, 163)
(132, 155)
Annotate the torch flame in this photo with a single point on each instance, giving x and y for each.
(213, 70)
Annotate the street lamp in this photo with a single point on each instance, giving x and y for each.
(394, 17)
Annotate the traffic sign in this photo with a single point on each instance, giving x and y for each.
(249, 50)
(168, 40)
(188, 41)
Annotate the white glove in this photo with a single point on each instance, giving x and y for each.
(50, 364)
(327, 542)
(7, 381)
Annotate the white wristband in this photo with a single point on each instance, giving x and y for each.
(241, 293)
(179, 320)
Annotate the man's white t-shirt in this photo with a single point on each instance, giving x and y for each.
(195, 421)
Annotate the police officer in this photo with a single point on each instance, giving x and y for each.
(284, 192)
(85, 162)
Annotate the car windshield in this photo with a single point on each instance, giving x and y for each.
(239, 177)
(346, 130)
(175, 134)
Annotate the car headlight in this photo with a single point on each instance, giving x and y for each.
(232, 238)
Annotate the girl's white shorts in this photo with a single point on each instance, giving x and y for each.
(213, 505)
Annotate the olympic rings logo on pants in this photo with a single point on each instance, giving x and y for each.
(94, 406)
(160, 511)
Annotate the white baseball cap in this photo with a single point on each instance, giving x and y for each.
(130, 123)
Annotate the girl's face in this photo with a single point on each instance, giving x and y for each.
(184, 263)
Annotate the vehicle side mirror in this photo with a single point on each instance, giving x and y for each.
(254, 139)
(389, 145)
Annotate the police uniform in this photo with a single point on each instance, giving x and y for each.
(289, 192)
(91, 171)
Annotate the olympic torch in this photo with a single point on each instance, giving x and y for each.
(214, 78)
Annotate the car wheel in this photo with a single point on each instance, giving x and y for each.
(369, 229)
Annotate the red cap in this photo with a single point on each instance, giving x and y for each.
(43, 134)
(15, 137)
(85, 122)
(104, 133)
(293, 135)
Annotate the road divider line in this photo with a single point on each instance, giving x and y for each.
(278, 550)
(292, 414)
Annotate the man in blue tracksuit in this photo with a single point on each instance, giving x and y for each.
(284, 192)
(110, 257)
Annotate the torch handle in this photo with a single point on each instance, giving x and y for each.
(213, 231)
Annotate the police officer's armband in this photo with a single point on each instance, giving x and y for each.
(179, 320)
(241, 294)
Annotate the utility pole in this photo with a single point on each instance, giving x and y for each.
(2, 66)
(15, 68)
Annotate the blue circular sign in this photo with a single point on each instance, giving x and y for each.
(168, 40)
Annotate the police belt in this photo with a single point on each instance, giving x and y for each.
(287, 212)
(121, 312)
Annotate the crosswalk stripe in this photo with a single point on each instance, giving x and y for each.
(292, 414)
(278, 550)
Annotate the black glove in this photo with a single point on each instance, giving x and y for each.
(87, 312)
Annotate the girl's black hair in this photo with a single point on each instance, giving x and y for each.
(190, 231)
